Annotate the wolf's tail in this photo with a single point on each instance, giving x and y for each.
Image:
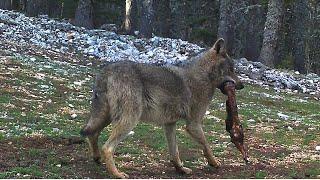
(100, 115)
(86, 131)
(93, 126)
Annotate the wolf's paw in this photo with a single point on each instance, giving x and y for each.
(121, 175)
(214, 163)
(184, 170)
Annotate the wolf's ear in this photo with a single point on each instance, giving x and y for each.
(219, 46)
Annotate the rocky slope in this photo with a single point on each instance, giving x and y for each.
(61, 37)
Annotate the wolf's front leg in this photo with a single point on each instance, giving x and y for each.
(196, 132)
(170, 131)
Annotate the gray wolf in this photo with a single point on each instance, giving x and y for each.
(126, 93)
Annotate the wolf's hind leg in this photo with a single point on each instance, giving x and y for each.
(120, 130)
(170, 131)
(93, 144)
(196, 132)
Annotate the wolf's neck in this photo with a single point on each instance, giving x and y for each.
(203, 67)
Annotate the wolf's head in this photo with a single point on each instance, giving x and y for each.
(224, 66)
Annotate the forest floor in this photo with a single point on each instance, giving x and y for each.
(44, 101)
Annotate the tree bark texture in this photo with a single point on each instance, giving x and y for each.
(130, 22)
(178, 11)
(9, 4)
(162, 18)
(229, 9)
(300, 35)
(146, 18)
(254, 30)
(54, 8)
(5, 4)
(314, 53)
(271, 32)
(84, 14)
(226, 24)
(36, 7)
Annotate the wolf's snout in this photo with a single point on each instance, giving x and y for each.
(239, 85)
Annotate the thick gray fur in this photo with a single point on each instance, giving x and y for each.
(126, 93)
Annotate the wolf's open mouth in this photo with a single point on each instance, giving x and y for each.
(223, 85)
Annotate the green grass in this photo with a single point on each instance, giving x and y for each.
(261, 174)
(313, 172)
(309, 138)
(24, 172)
(34, 152)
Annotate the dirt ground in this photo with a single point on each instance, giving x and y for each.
(73, 154)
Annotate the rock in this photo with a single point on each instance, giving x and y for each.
(55, 129)
(73, 116)
(251, 120)
(136, 33)
(317, 148)
(77, 83)
(255, 74)
(312, 75)
(264, 76)
(109, 27)
(283, 116)
(44, 86)
(243, 61)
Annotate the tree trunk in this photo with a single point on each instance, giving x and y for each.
(130, 21)
(23, 4)
(54, 8)
(84, 14)
(162, 17)
(5, 4)
(254, 31)
(285, 39)
(314, 45)
(178, 24)
(9, 4)
(300, 35)
(227, 21)
(36, 7)
(146, 18)
(271, 33)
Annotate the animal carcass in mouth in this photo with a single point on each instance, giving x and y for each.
(233, 125)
